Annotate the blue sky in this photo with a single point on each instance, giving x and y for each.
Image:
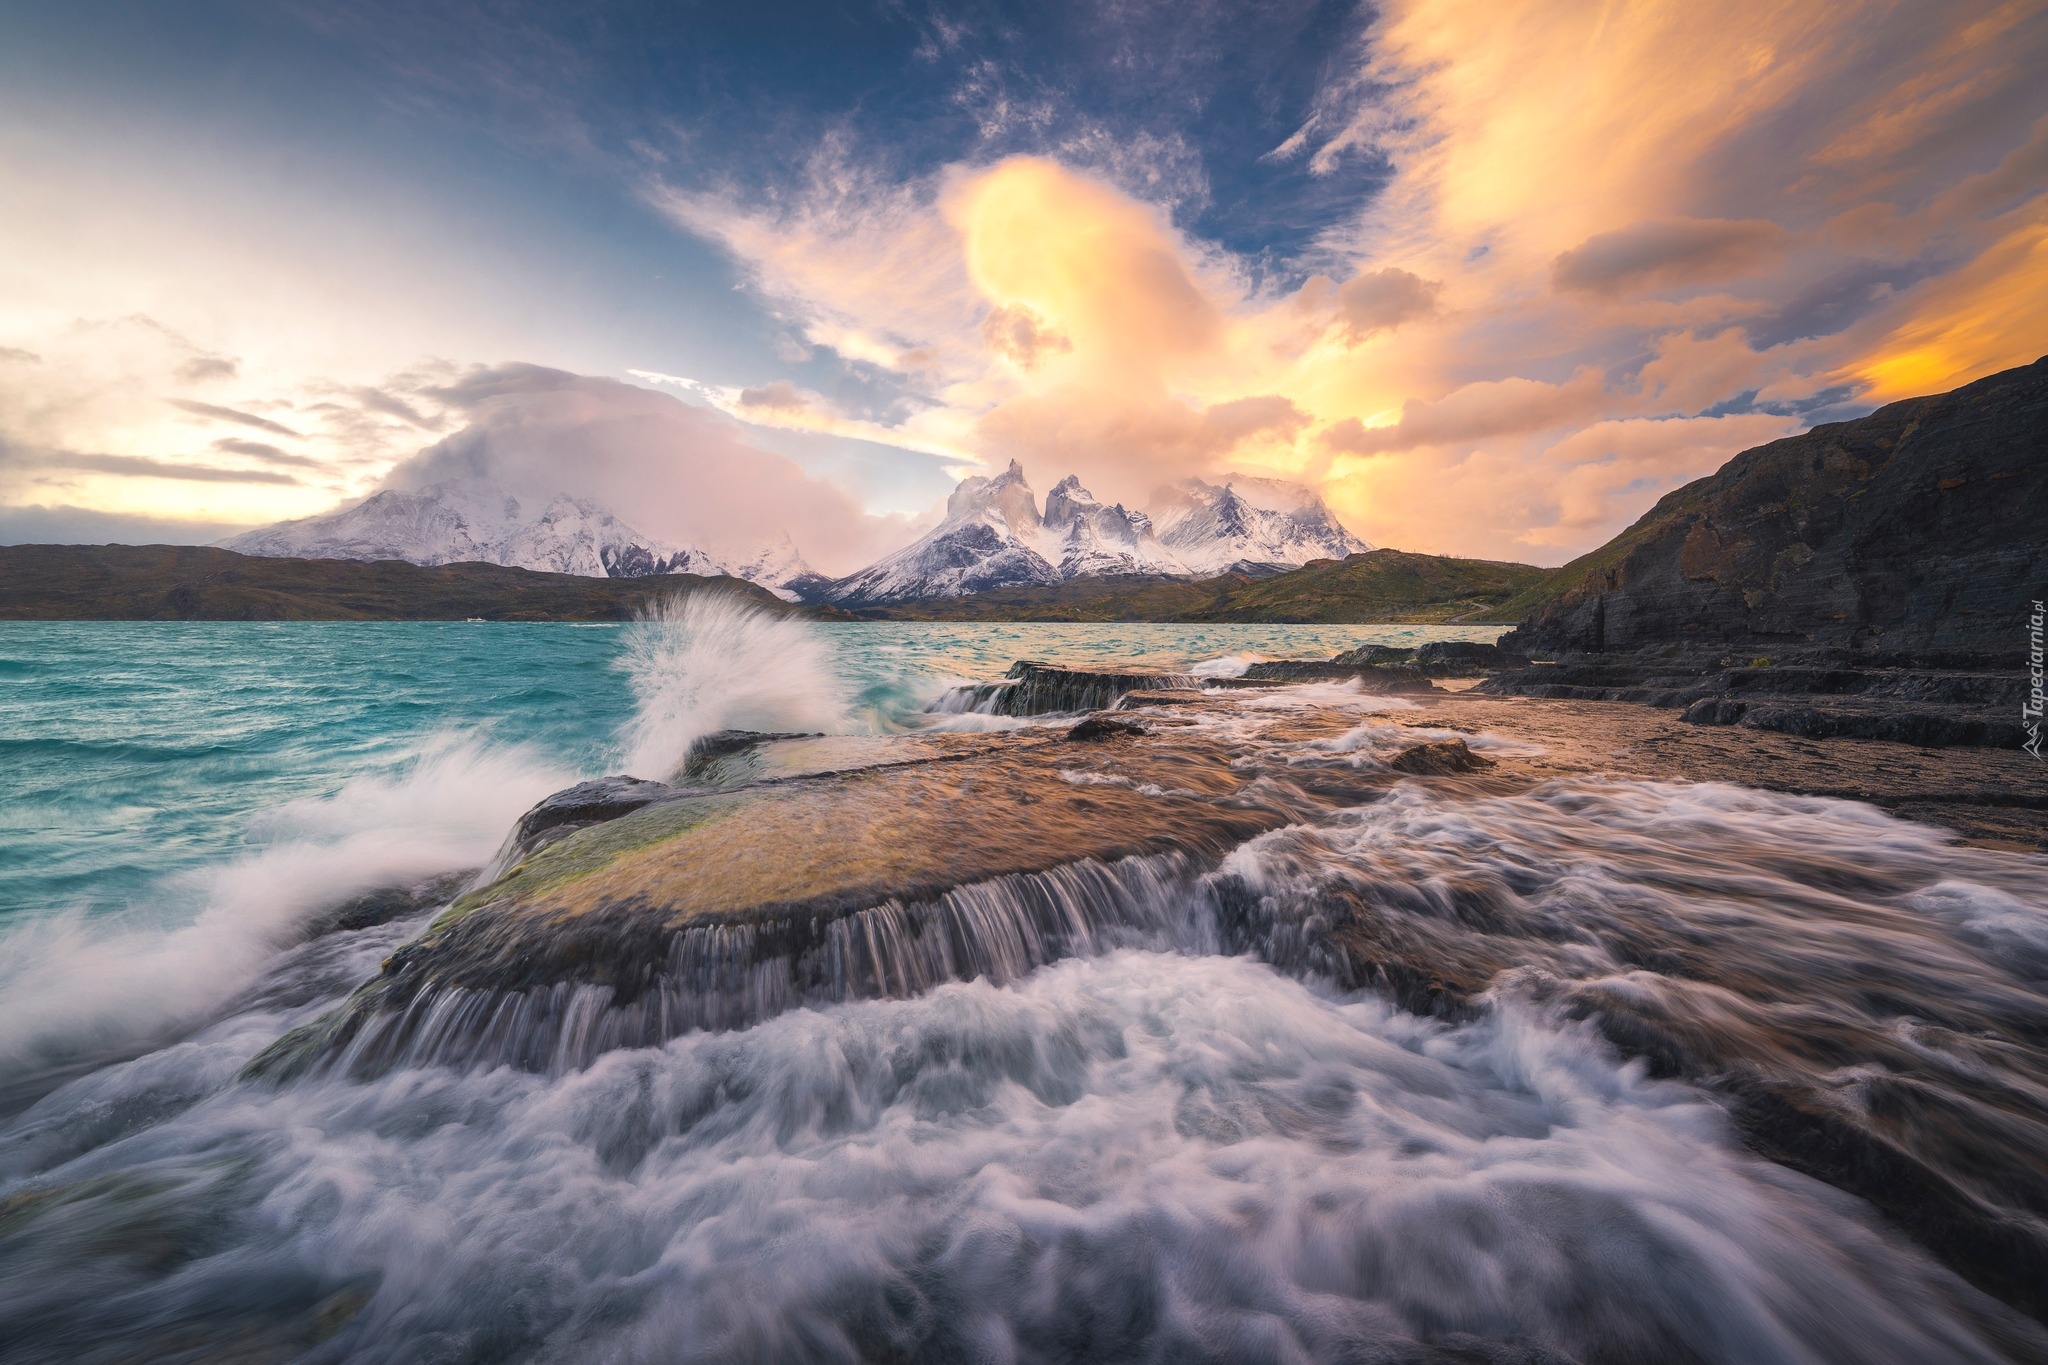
(807, 217)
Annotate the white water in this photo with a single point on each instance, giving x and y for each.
(1143, 1156)
(709, 662)
(76, 986)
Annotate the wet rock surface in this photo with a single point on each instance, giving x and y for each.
(385, 904)
(585, 804)
(716, 908)
(1098, 728)
(1813, 694)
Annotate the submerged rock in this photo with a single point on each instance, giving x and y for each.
(1390, 679)
(1863, 997)
(1097, 728)
(1438, 759)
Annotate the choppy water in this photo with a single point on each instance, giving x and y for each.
(1165, 1148)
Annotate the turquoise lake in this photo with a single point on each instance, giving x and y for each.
(141, 754)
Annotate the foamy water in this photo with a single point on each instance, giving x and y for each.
(1192, 1137)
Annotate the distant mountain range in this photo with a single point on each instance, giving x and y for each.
(993, 536)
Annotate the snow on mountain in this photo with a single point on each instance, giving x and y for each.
(463, 521)
(1092, 541)
(775, 567)
(994, 536)
(1258, 522)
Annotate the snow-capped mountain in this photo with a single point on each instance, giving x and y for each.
(1093, 541)
(1211, 528)
(994, 536)
(463, 521)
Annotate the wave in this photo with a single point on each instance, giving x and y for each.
(77, 985)
(709, 662)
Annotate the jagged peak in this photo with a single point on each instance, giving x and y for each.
(1008, 495)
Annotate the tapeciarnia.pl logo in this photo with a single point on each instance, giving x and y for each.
(2030, 711)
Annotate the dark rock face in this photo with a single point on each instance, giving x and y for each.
(1438, 659)
(392, 902)
(586, 803)
(1376, 654)
(1819, 700)
(722, 742)
(1920, 531)
(1714, 711)
(1448, 658)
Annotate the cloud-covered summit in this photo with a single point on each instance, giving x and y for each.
(537, 444)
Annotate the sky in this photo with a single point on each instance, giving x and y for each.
(1491, 275)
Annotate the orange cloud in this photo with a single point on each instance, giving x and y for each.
(1605, 222)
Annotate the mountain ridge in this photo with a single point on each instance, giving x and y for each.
(1918, 529)
(994, 536)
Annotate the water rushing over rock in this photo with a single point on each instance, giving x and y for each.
(732, 975)
(1035, 689)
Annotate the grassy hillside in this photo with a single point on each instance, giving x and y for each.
(198, 583)
(1380, 586)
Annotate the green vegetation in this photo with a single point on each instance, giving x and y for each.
(1381, 586)
(198, 583)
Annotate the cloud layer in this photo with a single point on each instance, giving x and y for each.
(1619, 245)
(668, 469)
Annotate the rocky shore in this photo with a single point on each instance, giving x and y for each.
(776, 872)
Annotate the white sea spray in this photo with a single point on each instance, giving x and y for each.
(709, 662)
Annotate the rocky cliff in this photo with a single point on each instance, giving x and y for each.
(1920, 531)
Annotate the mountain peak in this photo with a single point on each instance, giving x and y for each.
(1007, 498)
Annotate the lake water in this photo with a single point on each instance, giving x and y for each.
(1163, 1147)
